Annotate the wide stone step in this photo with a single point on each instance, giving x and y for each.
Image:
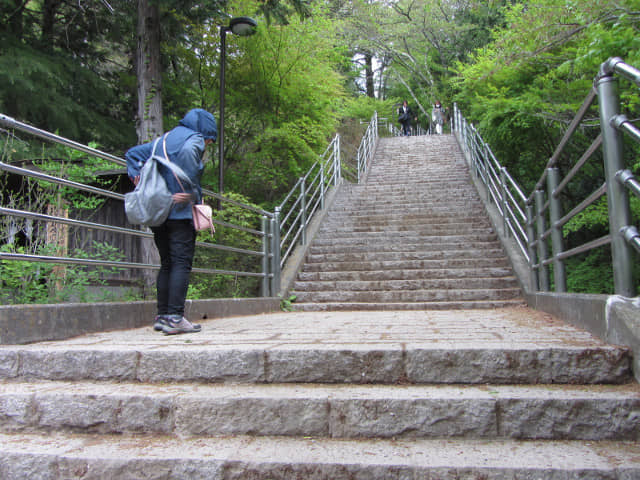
(424, 283)
(428, 244)
(374, 239)
(387, 198)
(408, 212)
(413, 207)
(444, 294)
(437, 210)
(438, 363)
(449, 226)
(457, 189)
(333, 411)
(381, 265)
(281, 458)
(415, 274)
(387, 178)
(417, 234)
(508, 346)
(406, 306)
(373, 257)
(426, 223)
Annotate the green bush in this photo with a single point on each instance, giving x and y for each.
(23, 282)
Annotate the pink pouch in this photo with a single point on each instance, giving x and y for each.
(202, 217)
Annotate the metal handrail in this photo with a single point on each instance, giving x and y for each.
(367, 147)
(323, 173)
(540, 218)
(296, 211)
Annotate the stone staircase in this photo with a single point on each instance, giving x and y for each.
(415, 236)
(465, 393)
(447, 395)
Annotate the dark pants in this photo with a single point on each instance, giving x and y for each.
(406, 128)
(176, 241)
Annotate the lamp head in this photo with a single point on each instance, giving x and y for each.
(243, 26)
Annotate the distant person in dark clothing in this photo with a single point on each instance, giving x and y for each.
(405, 115)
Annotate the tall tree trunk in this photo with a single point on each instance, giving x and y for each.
(149, 72)
(149, 121)
(49, 9)
(15, 20)
(368, 59)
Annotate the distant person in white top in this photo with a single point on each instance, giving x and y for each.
(438, 117)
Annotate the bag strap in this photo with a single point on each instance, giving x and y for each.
(175, 169)
(155, 144)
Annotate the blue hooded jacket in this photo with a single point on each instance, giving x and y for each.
(185, 147)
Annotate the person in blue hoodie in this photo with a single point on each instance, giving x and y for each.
(176, 237)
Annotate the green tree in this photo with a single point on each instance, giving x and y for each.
(523, 89)
(282, 94)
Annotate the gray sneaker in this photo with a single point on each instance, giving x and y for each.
(160, 322)
(177, 324)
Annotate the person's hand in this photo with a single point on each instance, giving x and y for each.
(135, 180)
(181, 197)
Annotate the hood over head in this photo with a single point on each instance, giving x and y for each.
(202, 122)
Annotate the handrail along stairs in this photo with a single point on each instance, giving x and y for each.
(536, 220)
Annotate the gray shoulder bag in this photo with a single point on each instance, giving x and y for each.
(151, 201)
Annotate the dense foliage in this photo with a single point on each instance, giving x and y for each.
(523, 89)
(518, 69)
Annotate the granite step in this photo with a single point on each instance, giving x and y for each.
(439, 362)
(385, 284)
(373, 257)
(458, 226)
(383, 295)
(551, 412)
(341, 306)
(407, 238)
(506, 346)
(428, 244)
(75, 456)
(405, 274)
(382, 265)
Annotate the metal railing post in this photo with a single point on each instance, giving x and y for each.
(322, 187)
(464, 135)
(359, 158)
(454, 118)
(336, 156)
(617, 197)
(557, 243)
(503, 198)
(543, 251)
(264, 287)
(485, 165)
(275, 252)
(473, 153)
(531, 238)
(303, 211)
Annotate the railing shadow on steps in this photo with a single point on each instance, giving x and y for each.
(531, 226)
(275, 236)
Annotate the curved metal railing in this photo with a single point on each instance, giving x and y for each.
(536, 221)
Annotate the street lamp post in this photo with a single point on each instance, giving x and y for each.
(242, 26)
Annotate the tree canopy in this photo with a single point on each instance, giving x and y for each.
(518, 70)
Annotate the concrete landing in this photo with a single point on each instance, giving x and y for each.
(510, 345)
